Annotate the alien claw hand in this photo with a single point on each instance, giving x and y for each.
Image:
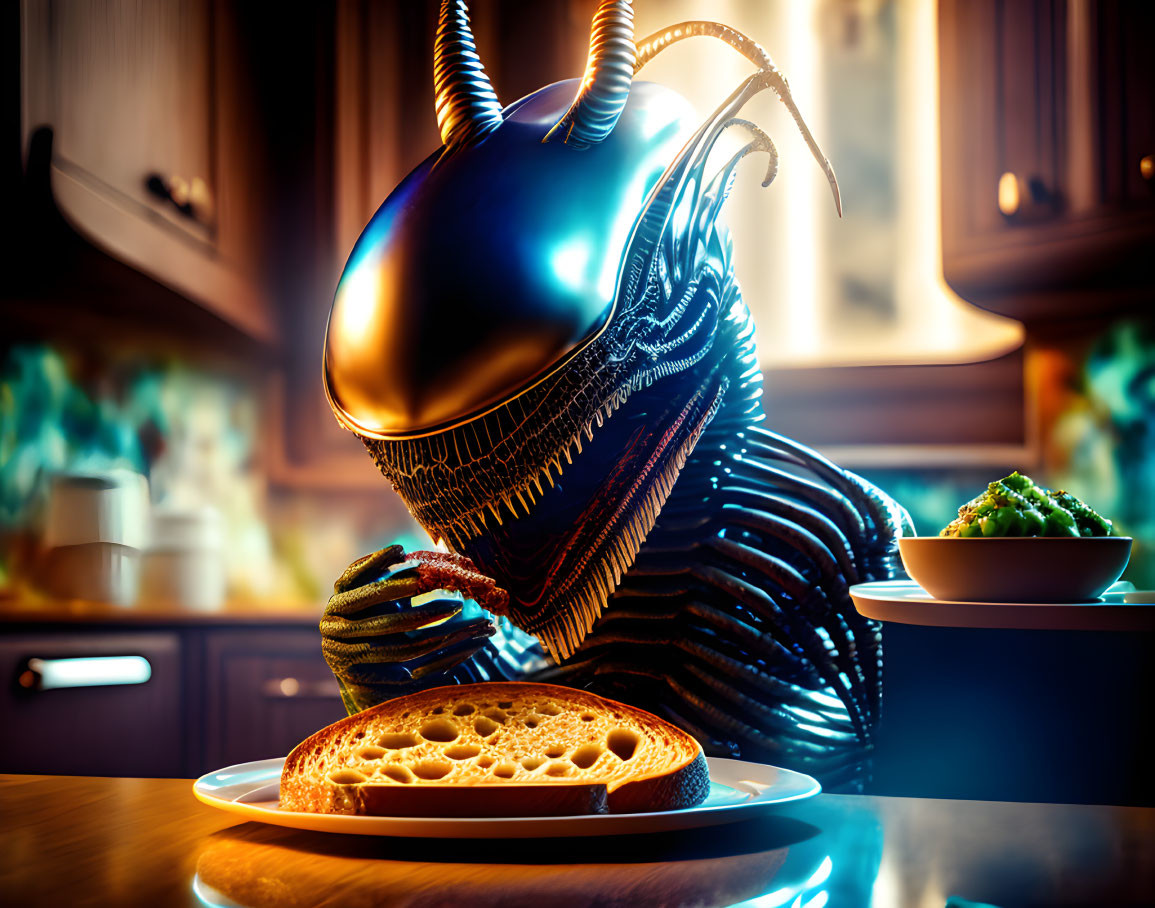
(378, 642)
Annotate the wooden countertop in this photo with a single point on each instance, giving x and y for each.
(15, 611)
(69, 840)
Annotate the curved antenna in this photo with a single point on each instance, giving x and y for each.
(652, 45)
(605, 87)
(467, 106)
(759, 142)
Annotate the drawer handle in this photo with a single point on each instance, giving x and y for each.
(292, 688)
(191, 198)
(87, 671)
(1009, 194)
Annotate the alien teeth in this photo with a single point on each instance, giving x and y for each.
(509, 504)
(564, 633)
(470, 525)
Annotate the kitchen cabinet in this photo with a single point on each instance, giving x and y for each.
(1015, 715)
(123, 727)
(1047, 145)
(154, 158)
(214, 690)
(265, 691)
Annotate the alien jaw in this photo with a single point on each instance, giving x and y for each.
(559, 576)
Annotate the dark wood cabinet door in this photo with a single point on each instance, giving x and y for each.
(1046, 107)
(133, 97)
(153, 153)
(265, 693)
(74, 724)
(1124, 74)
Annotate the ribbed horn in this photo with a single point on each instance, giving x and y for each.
(467, 106)
(605, 87)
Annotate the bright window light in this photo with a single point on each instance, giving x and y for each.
(865, 289)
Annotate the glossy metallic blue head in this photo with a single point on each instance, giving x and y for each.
(492, 263)
(497, 259)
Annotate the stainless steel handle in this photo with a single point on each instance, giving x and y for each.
(85, 671)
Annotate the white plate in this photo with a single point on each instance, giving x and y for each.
(1121, 608)
(738, 791)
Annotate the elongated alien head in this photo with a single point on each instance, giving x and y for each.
(524, 335)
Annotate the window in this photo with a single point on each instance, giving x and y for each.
(866, 289)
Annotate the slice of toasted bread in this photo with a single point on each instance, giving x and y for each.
(497, 749)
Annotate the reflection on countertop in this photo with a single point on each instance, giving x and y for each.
(261, 867)
(147, 841)
(832, 851)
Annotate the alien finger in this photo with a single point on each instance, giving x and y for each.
(453, 656)
(404, 586)
(343, 655)
(404, 619)
(367, 568)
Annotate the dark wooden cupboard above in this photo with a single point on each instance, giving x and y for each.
(1048, 138)
(156, 159)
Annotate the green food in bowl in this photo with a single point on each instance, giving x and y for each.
(1015, 506)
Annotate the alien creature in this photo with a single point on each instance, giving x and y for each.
(539, 339)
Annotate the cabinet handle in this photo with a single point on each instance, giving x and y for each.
(191, 198)
(1009, 194)
(87, 671)
(1147, 166)
(1038, 196)
(292, 688)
